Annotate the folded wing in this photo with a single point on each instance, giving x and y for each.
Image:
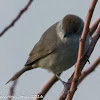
(46, 45)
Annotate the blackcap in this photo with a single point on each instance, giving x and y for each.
(57, 49)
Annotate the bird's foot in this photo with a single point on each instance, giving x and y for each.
(87, 58)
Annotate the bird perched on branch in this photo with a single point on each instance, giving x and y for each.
(57, 49)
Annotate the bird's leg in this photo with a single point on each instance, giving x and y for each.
(67, 85)
(63, 82)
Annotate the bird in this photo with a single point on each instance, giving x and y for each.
(57, 49)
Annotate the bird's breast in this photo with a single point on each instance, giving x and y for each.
(62, 58)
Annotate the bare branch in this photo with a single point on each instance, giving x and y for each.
(94, 41)
(82, 77)
(47, 86)
(94, 27)
(66, 88)
(80, 64)
(83, 60)
(16, 19)
(89, 70)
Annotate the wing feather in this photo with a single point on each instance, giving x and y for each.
(46, 45)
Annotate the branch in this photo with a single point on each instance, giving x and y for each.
(16, 19)
(89, 70)
(83, 60)
(11, 90)
(94, 27)
(66, 88)
(47, 86)
(80, 64)
(82, 77)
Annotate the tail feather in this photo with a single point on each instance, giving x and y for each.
(19, 73)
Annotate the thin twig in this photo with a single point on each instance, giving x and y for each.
(94, 27)
(66, 88)
(80, 64)
(82, 77)
(16, 19)
(90, 49)
(47, 86)
(11, 90)
(89, 70)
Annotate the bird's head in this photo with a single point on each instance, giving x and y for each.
(70, 25)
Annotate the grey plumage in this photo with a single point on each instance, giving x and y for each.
(57, 49)
(45, 46)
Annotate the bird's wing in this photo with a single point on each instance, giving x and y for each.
(46, 45)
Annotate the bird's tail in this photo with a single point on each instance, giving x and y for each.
(19, 73)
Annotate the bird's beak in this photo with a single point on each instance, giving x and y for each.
(65, 34)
